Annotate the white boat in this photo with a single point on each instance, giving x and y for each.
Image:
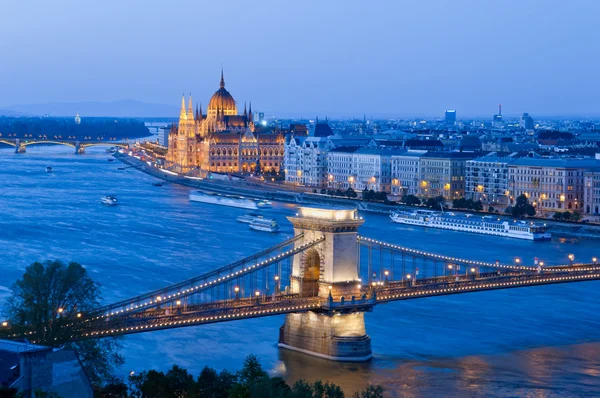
(223, 200)
(264, 224)
(264, 204)
(48, 169)
(109, 200)
(488, 225)
(248, 218)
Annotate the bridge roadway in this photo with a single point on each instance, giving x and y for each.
(158, 318)
(206, 281)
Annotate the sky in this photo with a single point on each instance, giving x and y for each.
(337, 58)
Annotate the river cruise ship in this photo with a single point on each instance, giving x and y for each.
(223, 200)
(488, 225)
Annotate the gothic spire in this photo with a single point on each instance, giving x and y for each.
(182, 114)
(190, 108)
(245, 112)
(222, 79)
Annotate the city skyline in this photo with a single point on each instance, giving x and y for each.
(310, 59)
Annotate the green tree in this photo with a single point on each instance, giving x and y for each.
(435, 203)
(522, 207)
(370, 392)
(47, 298)
(477, 206)
(491, 209)
(575, 216)
(351, 193)
(410, 200)
(459, 203)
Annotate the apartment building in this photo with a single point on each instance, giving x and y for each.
(443, 174)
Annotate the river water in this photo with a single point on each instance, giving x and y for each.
(537, 341)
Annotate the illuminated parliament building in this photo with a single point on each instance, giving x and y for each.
(222, 140)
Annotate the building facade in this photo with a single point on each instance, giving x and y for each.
(486, 179)
(591, 191)
(305, 158)
(443, 174)
(405, 168)
(550, 184)
(360, 168)
(222, 140)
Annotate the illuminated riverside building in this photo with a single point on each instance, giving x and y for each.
(443, 174)
(591, 191)
(550, 184)
(405, 173)
(222, 140)
(306, 156)
(360, 168)
(487, 179)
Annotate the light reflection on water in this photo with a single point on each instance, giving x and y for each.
(525, 342)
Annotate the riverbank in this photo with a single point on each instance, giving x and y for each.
(259, 191)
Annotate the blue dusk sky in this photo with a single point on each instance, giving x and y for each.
(305, 58)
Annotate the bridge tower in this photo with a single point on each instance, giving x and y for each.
(329, 270)
(20, 146)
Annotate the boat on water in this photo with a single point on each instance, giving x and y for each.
(110, 159)
(157, 184)
(48, 169)
(487, 225)
(109, 200)
(223, 200)
(265, 204)
(264, 224)
(248, 218)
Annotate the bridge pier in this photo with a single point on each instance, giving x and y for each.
(20, 146)
(79, 150)
(328, 271)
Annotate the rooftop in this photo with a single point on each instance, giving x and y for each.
(558, 162)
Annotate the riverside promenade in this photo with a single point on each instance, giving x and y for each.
(269, 192)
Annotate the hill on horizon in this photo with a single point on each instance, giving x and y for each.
(122, 108)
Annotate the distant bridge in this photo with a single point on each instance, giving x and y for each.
(330, 277)
(21, 144)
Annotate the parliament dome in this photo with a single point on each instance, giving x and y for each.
(222, 100)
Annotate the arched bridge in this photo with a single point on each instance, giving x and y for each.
(324, 279)
(21, 144)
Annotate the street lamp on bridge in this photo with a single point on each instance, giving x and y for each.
(571, 258)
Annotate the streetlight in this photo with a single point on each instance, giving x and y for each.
(178, 302)
(517, 260)
(60, 310)
(4, 324)
(386, 273)
(571, 258)
(276, 283)
(594, 259)
(237, 291)
(79, 315)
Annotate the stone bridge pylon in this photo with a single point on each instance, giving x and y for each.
(330, 270)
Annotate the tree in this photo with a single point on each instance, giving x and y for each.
(575, 216)
(323, 191)
(47, 298)
(435, 203)
(370, 392)
(459, 203)
(351, 193)
(477, 206)
(522, 207)
(410, 200)
(491, 209)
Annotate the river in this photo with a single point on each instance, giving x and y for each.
(537, 341)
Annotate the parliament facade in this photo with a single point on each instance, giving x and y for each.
(221, 140)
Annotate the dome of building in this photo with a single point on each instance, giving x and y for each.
(222, 101)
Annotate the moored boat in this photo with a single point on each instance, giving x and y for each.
(264, 224)
(48, 169)
(223, 200)
(264, 203)
(487, 225)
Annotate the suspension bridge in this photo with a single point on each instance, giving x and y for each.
(323, 279)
